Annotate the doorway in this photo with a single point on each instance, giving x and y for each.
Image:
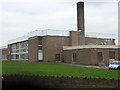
(100, 56)
(74, 57)
(57, 57)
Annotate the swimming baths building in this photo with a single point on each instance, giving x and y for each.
(64, 46)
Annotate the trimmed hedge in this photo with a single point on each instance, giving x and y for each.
(26, 81)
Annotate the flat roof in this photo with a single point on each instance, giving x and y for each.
(90, 46)
(53, 32)
(50, 32)
(3, 47)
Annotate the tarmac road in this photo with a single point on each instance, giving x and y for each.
(104, 67)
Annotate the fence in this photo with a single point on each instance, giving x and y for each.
(100, 35)
(34, 81)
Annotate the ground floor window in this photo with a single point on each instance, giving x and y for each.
(19, 56)
(23, 56)
(100, 56)
(74, 57)
(40, 56)
(3, 57)
(111, 55)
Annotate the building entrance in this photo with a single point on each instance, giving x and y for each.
(57, 57)
(100, 56)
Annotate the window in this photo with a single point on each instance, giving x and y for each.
(111, 55)
(40, 38)
(74, 57)
(40, 56)
(57, 57)
(100, 56)
(40, 41)
(39, 47)
(24, 56)
(17, 56)
(13, 57)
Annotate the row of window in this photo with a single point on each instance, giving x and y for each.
(99, 56)
(111, 55)
(2, 57)
(19, 47)
(18, 51)
(19, 56)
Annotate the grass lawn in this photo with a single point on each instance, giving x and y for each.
(55, 69)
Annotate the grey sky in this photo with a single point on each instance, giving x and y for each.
(22, 16)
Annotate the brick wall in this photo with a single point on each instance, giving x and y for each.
(33, 49)
(89, 56)
(52, 45)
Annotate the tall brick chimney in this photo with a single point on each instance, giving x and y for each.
(80, 18)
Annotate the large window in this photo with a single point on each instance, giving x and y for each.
(19, 50)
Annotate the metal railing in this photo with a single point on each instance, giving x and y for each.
(59, 33)
(100, 35)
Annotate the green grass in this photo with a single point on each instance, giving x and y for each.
(55, 69)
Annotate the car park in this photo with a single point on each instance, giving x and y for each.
(114, 65)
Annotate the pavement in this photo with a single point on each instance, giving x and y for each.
(103, 67)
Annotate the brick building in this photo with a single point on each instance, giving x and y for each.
(65, 46)
(91, 54)
(4, 53)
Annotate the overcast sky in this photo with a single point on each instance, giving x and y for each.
(18, 17)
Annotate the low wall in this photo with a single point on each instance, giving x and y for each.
(24, 81)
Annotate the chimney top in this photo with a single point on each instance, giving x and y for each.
(80, 2)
